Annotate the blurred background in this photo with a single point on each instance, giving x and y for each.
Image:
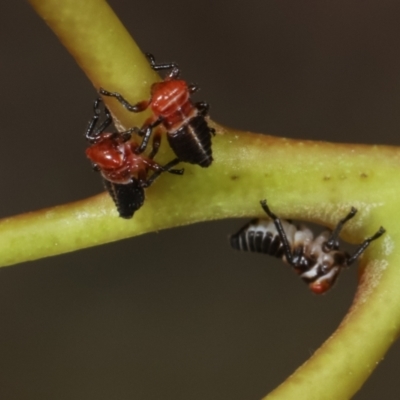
(178, 314)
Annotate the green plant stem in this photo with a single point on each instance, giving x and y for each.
(102, 47)
(301, 179)
(232, 187)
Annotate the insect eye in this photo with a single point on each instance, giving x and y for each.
(326, 267)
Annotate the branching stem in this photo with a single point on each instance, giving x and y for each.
(307, 180)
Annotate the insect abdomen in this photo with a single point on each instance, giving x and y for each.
(258, 238)
(192, 142)
(128, 198)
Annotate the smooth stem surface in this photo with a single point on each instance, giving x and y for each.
(102, 47)
(304, 180)
(231, 187)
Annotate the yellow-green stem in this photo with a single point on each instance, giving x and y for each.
(102, 47)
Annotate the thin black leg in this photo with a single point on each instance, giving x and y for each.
(156, 144)
(91, 126)
(138, 107)
(91, 131)
(281, 231)
(106, 122)
(146, 133)
(158, 67)
(165, 168)
(127, 135)
(333, 241)
(168, 167)
(364, 245)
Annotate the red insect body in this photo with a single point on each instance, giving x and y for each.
(187, 130)
(124, 169)
(117, 160)
(170, 100)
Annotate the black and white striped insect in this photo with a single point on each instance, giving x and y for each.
(317, 260)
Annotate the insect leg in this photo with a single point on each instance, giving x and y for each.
(364, 245)
(138, 107)
(333, 241)
(281, 231)
(168, 168)
(127, 135)
(91, 131)
(158, 67)
(165, 168)
(146, 131)
(156, 144)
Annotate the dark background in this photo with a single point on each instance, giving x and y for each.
(178, 314)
